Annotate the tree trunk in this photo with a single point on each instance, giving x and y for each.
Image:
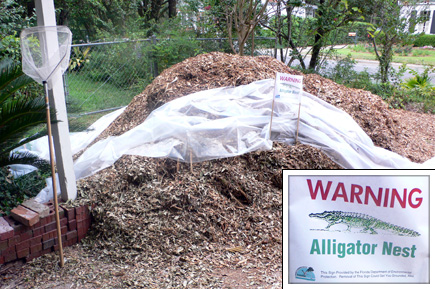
(172, 4)
(156, 5)
(318, 41)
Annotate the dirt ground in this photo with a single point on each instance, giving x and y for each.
(216, 224)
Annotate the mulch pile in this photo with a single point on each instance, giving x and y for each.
(215, 224)
(406, 133)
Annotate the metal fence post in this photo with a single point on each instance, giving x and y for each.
(154, 59)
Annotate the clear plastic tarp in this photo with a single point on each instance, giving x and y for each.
(231, 121)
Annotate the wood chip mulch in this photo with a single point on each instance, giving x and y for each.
(216, 224)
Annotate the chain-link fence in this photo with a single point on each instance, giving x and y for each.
(107, 75)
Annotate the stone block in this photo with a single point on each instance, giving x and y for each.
(6, 231)
(25, 216)
(42, 209)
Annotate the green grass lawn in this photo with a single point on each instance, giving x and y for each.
(86, 95)
(417, 56)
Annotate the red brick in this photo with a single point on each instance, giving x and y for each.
(82, 213)
(49, 235)
(47, 251)
(10, 256)
(36, 248)
(38, 231)
(23, 253)
(22, 245)
(72, 225)
(61, 213)
(80, 237)
(63, 230)
(26, 235)
(50, 227)
(14, 240)
(69, 212)
(4, 245)
(71, 235)
(6, 231)
(7, 251)
(71, 242)
(60, 209)
(34, 255)
(18, 227)
(42, 209)
(80, 210)
(25, 216)
(35, 240)
(37, 225)
(63, 222)
(47, 244)
(56, 246)
(49, 219)
(81, 228)
(2, 260)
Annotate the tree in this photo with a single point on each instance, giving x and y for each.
(283, 27)
(13, 18)
(390, 25)
(18, 114)
(156, 9)
(314, 30)
(245, 16)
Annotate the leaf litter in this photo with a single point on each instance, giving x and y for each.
(158, 223)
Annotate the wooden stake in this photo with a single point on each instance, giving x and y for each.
(191, 164)
(297, 128)
(53, 175)
(271, 116)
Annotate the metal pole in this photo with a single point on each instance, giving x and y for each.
(53, 174)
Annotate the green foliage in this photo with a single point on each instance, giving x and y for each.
(115, 64)
(13, 191)
(18, 114)
(79, 57)
(425, 40)
(403, 50)
(171, 51)
(10, 48)
(13, 19)
(343, 72)
(389, 27)
(396, 93)
(420, 87)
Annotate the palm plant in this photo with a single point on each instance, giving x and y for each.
(421, 81)
(19, 113)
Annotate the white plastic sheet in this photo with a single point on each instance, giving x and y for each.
(227, 122)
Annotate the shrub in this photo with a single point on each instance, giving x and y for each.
(425, 40)
(13, 191)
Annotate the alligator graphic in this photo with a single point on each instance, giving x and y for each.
(366, 222)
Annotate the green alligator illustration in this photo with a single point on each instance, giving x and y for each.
(366, 222)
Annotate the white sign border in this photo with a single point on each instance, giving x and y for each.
(285, 244)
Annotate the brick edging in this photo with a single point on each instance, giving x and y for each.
(31, 236)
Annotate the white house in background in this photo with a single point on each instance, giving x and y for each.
(425, 9)
(304, 11)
